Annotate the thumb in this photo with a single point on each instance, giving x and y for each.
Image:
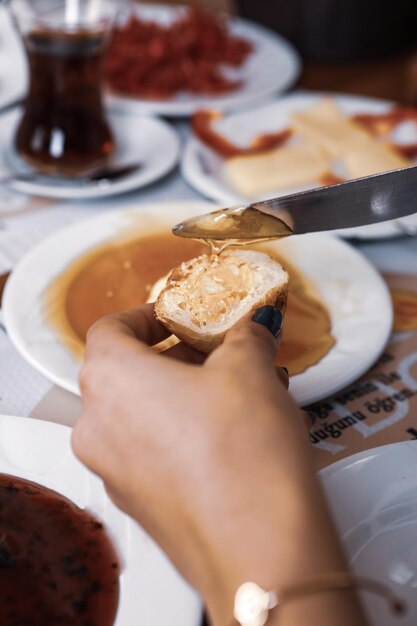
(253, 340)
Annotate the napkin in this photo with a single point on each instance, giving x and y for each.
(21, 386)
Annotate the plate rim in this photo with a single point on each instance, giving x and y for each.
(304, 399)
(362, 455)
(389, 312)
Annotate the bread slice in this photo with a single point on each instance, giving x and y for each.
(206, 296)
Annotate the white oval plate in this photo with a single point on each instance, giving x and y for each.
(355, 294)
(152, 593)
(373, 498)
(201, 170)
(272, 67)
(13, 66)
(139, 139)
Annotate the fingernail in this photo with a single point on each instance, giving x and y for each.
(270, 317)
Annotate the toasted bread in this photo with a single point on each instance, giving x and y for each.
(206, 296)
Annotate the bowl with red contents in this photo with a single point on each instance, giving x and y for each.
(67, 554)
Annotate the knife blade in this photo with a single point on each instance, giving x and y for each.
(358, 202)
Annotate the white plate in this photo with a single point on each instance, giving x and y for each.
(13, 70)
(200, 169)
(139, 139)
(373, 497)
(272, 67)
(151, 591)
(356, 296)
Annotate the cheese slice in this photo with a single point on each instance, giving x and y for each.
(281, 168)
(372, 159)
(325, 126)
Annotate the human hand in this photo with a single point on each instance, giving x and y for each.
(209, 455)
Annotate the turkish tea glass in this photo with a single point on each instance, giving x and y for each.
(64, 129)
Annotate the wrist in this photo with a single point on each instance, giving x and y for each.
(284, 537)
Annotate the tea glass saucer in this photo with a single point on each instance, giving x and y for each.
(148, 141)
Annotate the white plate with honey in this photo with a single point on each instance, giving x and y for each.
(299, 142)
(338, 319)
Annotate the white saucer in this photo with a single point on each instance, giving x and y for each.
(356, 296)
(151, 591)
(139, 139)
(272, 67)
(13, 65)
(373, 498)
(201, 171)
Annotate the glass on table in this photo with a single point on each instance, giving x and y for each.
(64, 129)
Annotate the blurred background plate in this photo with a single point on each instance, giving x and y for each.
(139, 139)
(41, 452)
(13, 70)
(373, 498)
(354, 293)
(273, 66)
(203, 171)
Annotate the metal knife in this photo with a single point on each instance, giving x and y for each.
(358, 202)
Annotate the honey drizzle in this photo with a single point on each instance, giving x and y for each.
(218, 246)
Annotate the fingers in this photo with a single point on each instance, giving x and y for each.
(182, 352)
(253, 341)
(176, 349)
(282, 374)
(133, 332)
(140, 324)
(255, 337)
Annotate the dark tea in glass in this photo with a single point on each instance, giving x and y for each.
(64, 129)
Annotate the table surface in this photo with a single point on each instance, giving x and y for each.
(36, 217)
(394, 255)
(24, 391)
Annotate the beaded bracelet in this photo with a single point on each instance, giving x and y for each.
(253, 604)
